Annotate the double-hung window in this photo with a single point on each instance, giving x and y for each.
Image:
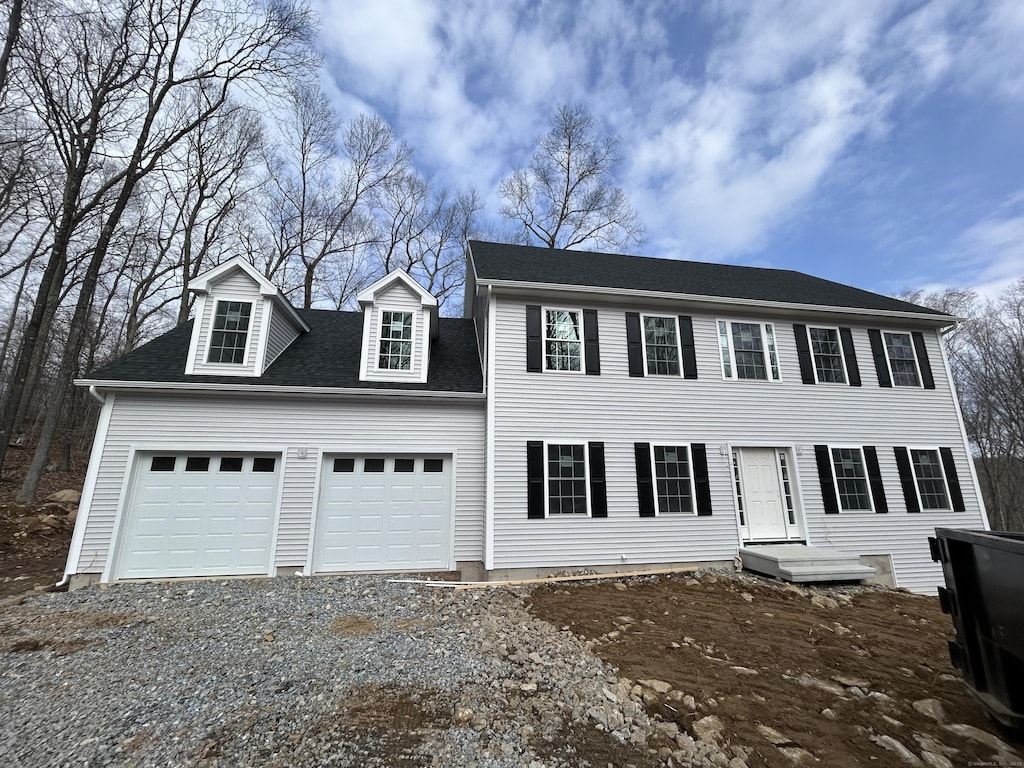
(899, 351)
(930, 479)
(563, 340)
(567, 479)
(851, 478)
(748, 351)
(674, 479)
(827, 353)
(661, 345)
(395, 341)
(230, 334)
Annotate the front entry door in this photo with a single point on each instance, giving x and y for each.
(762, 494)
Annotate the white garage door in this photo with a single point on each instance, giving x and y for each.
(199, 514)
(383, 513)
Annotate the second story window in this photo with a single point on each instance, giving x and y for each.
(748, 351)
(230, 332)
(827, 354)
(563, 350)
(899, 350)
(661, 344)
(395, 341)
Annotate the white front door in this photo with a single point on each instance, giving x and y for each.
(762, 494)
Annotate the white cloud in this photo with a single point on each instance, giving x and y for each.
(989, 255)
(725, 144)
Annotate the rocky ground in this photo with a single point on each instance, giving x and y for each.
(710, 669)
(777, 674)
(34, 537)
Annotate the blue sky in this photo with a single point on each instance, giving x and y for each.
(875, 143)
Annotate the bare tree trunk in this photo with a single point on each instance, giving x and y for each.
(13, 33)
(15, 306)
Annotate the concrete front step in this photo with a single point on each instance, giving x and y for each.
(830, 573)
(800, 563)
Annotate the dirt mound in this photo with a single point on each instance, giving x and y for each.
(791, 674)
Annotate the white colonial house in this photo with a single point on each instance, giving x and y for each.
(597, 411)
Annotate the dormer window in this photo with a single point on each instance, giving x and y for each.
(230, 334)
(395, 341)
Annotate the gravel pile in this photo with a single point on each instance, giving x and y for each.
(355, 671)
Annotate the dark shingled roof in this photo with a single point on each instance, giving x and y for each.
(327, 356)
(522, 263)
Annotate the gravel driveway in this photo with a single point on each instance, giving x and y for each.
(355, 671)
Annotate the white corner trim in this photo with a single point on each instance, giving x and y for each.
(424, 346)
(261, 341)
(364, 359)
(197, 327)
(489, 458)
(89, 488)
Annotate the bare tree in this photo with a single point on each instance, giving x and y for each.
(565, 197)
(152, 59)
(986, 357)
(320, 189)
(424, 232)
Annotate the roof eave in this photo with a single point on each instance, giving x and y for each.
(272, 389)
(626, 294)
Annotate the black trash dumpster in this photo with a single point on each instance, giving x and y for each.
(984, 594)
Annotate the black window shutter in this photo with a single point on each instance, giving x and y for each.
(699, 457)
(591, 346)
(907, 479)
(634, 349)
(956, 496)
(922, 360)
(689, 351)
(850, 354)
(803, 354)
(534, 342)
(535, 479)
(598, 488)
(644, 481)
(875, 479)
(828, 491)
(878, 352)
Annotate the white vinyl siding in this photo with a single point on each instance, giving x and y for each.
(620, 411)
(301, 429)
(236, 286)
(397, 298)
(280, 334)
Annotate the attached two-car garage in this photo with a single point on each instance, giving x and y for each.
(209, 514)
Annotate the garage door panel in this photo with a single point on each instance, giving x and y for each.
(394, 519)
(209, 522)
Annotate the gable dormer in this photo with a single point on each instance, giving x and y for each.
(242, 322)
(399, 320)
